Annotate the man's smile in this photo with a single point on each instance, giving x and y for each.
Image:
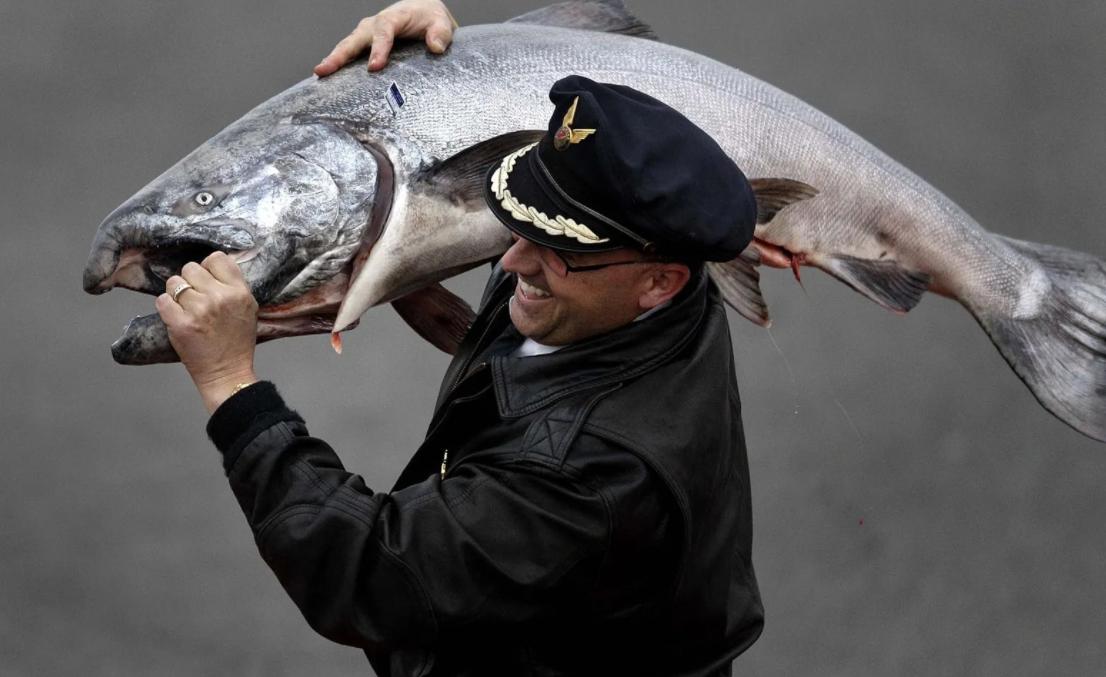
(530, 292)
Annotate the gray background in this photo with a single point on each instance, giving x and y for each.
(917, 513)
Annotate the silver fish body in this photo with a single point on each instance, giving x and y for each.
(873, 224)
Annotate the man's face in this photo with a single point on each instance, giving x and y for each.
(555, 307)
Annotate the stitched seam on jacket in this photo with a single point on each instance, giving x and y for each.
(258, 426)
(670, 483)
(307, 472)
(284, 515)
(621, 439)
(467, 494)
(576, 555)
(503, 459)
(578, 423)
(431, 495)
(414, 582)
(337, 506)
(355, 501)
(281, 428)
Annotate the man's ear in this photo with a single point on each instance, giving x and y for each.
(664, 281)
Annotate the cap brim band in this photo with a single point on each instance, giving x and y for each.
(516, 197)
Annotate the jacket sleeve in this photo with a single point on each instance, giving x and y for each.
(507, 542)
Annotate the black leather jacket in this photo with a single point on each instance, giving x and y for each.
(585, 512)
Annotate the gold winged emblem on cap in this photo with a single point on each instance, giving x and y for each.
(566, 135)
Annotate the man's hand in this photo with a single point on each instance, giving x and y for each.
(427, 19)
(212, 326)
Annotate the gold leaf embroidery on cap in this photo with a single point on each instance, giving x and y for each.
(566, 135)
(558, 225)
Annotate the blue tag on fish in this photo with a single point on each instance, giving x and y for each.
(395, 98)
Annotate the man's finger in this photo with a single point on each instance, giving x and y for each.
(382, 38)
(224, 269)
(171, 313)
(348, 49)
(439, 34)
(177, 282)
(197, 276)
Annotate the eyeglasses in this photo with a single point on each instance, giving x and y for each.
(560, 265)
(569, 268)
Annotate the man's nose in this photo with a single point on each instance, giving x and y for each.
(522, 258)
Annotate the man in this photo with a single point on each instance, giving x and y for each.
(580, 504)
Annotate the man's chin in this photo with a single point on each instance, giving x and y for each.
(526, 325)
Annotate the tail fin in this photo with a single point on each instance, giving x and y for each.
(1060, 352)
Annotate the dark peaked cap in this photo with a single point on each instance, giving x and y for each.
(618, 168)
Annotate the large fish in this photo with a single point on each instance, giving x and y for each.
(365, 188)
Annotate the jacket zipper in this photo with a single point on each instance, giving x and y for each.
(462, 373)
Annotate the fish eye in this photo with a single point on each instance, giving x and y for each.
(204, 198)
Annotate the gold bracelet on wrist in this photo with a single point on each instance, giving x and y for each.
(240, 387)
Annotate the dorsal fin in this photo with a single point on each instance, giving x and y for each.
(775, 194)
(609, 16)
(461, 177)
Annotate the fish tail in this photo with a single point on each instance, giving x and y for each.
(1056, 338)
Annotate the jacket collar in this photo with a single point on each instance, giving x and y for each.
(524, 385)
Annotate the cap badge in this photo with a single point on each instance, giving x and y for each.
(566, 135)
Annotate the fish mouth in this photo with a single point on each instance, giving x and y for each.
(145, 269)
(145, 339)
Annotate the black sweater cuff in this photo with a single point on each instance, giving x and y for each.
(244, 415)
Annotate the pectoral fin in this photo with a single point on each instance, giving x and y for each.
(436, 314)
(888, 283)
(461, 177)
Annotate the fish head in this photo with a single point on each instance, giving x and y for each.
(291, 201)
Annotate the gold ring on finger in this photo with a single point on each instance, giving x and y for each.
(180, 289)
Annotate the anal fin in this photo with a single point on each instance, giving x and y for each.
(436, 314)
(887, 283)
(739, 282)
